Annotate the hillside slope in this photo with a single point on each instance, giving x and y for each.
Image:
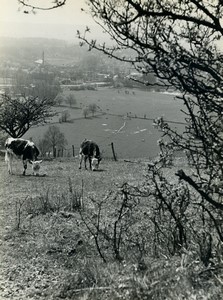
(51, 226)
(28, 246)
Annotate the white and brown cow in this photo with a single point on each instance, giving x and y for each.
(25, 150)
(90, 150)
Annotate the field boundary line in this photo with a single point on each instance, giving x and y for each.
(147, 119)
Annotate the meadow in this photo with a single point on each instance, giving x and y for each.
(73, 234)
(124, 117)
(57, 238)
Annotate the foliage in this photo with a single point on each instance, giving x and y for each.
(42, 89)
(40, 84)
(19, 114)
(59, 99)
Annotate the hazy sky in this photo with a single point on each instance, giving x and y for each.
(57, 23)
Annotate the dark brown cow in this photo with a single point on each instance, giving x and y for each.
(90, 150)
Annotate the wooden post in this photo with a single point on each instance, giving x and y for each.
(73, 150)
(54, 152)
(113, 151)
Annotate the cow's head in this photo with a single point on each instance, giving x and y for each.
(95, 163)
(36, 166)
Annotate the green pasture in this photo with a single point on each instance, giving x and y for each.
(138, 102)
(127, 121)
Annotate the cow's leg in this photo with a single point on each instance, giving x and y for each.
(8, 160)
(85, 161)
(81, 158)
(24, 166)
(90, 162)
(10, 164)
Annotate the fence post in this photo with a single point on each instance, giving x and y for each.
(113, 151)
(73, 150)
(54, 152)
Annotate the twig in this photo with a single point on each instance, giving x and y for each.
(133, 162)
(103, 288)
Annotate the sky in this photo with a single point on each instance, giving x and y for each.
(60, 23)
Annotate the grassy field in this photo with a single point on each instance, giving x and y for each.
(47, 239)
(59, 232)
(133, 136)
(37, 242)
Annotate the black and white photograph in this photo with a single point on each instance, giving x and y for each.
(111, 149)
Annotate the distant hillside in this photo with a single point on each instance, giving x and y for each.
(66, 32)
(17, 49)
(57, 52)
(31, 42)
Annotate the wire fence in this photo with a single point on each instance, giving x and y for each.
(117, 143)
(73, 151)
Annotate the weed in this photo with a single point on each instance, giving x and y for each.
(53, 201)
(18, 213)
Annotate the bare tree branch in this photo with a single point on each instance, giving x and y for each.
(18, 114)
(189, 180)
(55, 4)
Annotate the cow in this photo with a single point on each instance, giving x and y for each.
(90, 150)
(25, 150)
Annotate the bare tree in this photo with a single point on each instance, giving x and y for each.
(54, 138)
(85, 112)
(180, 42)
(65, 116)
(19, 114)
(92, 108)
(71, 100)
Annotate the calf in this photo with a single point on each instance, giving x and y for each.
(25, 150)
(90, 150)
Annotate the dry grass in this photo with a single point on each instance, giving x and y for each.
(47, 253)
